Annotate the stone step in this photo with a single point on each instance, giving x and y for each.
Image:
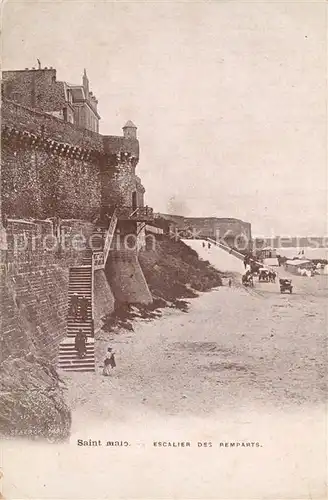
(72, 358)
(80, 268)
(86, 272)
(80, 370)
(73, 330)
(86, 285)
(69, 348)
(78, 367)
(77, 275)
(75, 288)
(71, 334)
(82, 277)
(80, 273)
(79, 323)
(86, 279)
(75, 327)
(79, 283)
(72, 320)
(88, 308)
(71, 355)
(67, 341)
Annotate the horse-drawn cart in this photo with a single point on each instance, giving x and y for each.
(247, 280)
(285, 285)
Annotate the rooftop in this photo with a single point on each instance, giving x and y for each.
(129, 124)
(297, 262)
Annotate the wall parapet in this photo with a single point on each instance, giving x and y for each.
(48, 127)
(24, 118)
(26, 139)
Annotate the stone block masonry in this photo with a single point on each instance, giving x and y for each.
(34, 288)
(34, 306)
(39, 184)
(52, 168)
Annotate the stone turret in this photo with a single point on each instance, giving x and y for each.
(130, 130)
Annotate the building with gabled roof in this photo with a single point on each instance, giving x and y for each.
(39, 89)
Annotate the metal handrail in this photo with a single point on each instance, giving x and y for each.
(130, 213)
(109, 236)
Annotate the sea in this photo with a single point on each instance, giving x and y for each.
(303, 252)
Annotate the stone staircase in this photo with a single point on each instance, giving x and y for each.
(80, 282)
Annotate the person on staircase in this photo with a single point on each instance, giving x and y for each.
(81, 343)
(84, 303)
(109, 362)
(74, 305)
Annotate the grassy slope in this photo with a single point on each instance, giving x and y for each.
(174, 271)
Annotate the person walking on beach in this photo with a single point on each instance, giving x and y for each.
(208, 245)
(109, 362)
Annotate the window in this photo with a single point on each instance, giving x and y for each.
(134, 200)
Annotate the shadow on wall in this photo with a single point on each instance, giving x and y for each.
(104, 300)
(126, 278)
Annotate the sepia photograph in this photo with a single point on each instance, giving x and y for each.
(164, 250)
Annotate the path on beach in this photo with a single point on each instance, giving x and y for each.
(239, 366)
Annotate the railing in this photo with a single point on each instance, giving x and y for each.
(138, 214)
(226, 248)
(232, 251)
(99, 258)
(109, 236)
(92, 296)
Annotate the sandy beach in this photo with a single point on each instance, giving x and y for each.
(241, 366)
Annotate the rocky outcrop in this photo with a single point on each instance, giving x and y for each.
(32, 400)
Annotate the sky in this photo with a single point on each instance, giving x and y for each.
(229, 97)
